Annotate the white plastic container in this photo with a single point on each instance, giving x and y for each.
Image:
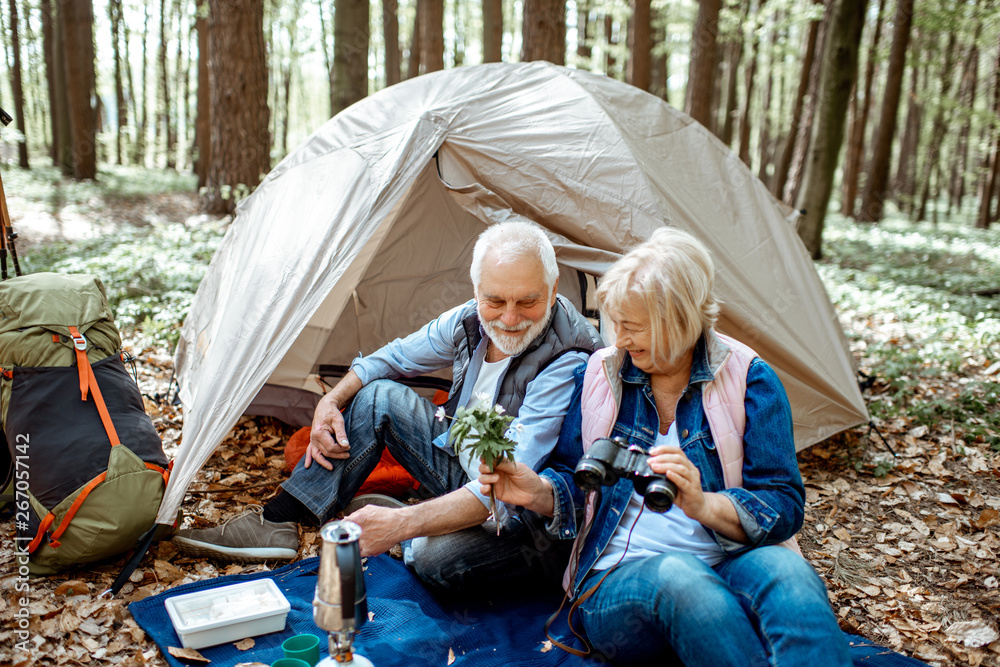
(228, 613)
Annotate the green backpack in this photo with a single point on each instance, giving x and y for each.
(87, 466)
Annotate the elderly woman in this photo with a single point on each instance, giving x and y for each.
(717, 579)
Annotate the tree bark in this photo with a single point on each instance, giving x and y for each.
(543, 31)
(350, 53)
(165, 124)
(431, 36)
(970, 77)
(766, 142)
(48, 21)
(701, 73)
(17, 89)
(492, 31)
(991, 166)
(64, 142)
(876, 190)
(839, 75)
(413, 62)
(238, 85)
(115, 15)
(390, 32)
(203, 118)
(640, 45)
(751, 74)
(862, 105)
(938, 127)
(660, 66)
(80, 80)
(735, 52)
(904, 184)
(142, 98)
(788, 150)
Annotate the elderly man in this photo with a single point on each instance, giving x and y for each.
(516, 343)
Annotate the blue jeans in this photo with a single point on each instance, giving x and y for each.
(386, 414)
(766, 606)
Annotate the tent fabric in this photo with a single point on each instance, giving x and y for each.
(411, 625)
(365, 232)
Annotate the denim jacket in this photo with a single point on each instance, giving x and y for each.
(771, 502)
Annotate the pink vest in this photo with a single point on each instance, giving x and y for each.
(722, 399)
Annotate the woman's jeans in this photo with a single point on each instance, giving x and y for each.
(386, 414)
(766, 606)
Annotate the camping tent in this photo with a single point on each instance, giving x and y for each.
(365, 232)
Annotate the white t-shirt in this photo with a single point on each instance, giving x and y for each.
(486, 384)
(658, 533)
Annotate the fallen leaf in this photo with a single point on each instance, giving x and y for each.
(451, 656)
(973, 633)
(546, 646)
(72, 588)
(245, 644)
(989, 517)
(188, 654)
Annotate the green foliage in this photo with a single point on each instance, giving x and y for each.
(916, 284)
(151, 273)
(482, 431)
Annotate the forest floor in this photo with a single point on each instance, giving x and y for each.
(905, 532)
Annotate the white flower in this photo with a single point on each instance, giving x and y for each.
(439, 415)
(498, 409)
(483, 397)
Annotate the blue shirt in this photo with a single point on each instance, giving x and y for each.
(432, 348)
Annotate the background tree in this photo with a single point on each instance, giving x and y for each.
(876, 192)
(701, 74)
(203, 114)
(638, 70)
(350, 53)
(431, 17)
(238, 85)
(78, 39)
(15, 45)
(839, 75)
(492, 31)
(543, 31)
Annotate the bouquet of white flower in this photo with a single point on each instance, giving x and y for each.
(482, 431)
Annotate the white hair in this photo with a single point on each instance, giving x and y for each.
(509, 241)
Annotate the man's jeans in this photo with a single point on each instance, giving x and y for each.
(387, 414)
(765, 606)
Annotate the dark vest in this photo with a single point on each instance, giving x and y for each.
(567, 331)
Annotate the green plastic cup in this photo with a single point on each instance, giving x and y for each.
(302, 647)
(290, 662)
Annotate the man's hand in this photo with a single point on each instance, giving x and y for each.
(381, 528)
(328, 437)
(517, 484)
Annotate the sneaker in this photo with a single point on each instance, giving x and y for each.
(247, 537)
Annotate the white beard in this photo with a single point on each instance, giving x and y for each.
(515, 345)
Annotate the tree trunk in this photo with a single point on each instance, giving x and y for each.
(991, 170)
(970, 76)
(48, 46)
(327, 62)
(839, 76)
(164, 126)
(938, 127)
(788, 150)
(142, 98)
(413, 64)
(17, 89)
(80, 79)
(288, 70)
(640, 45)
(862, 105)
(543, 31)
(238, 85)
(660, 66)
(735, 52)
(431, 35)
(904, 184)
(177, 118)
(492, 31)
(796, 168)
(876, 190)
(751, 74)
(64, 143)
(350, 53)
(610, 61)
(701, 73)
(390, 32)
(115, 15)
(766, 142)
(203, 118)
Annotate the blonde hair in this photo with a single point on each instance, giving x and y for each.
(671, 277)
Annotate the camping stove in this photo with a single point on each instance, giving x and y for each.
(341, 606)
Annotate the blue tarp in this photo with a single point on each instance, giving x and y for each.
(410, 625)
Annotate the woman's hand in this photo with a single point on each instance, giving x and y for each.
(517, 484)
(674, 463)
(712, 510)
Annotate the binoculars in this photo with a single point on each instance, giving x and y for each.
(609, 460)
